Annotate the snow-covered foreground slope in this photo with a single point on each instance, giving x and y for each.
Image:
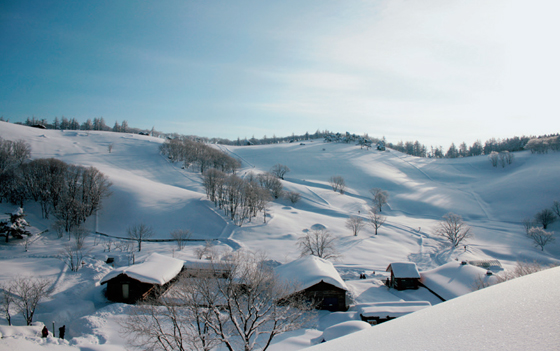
(521, 314)
(147, 188)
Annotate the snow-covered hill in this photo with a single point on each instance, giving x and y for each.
(148, 188)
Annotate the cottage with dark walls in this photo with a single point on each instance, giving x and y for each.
(138, 282)
(404, 275)
(318, 280)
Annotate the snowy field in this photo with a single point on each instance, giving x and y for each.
(148, 188)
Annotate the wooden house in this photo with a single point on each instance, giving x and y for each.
(137, 282)
(404, 275)
(317, 280)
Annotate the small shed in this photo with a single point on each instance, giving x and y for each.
(379, 312)
(404, 275)
(137, 282)
(318, 280)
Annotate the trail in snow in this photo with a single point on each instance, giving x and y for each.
(227, 150)
(402, 158)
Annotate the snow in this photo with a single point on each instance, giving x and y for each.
(404, 270)
(309, 271)
(455, 279)
(340, 330)
(149, 189)
(156, 269)
(521, 314)
(391, 309)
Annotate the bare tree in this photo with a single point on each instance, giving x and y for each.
(556, 208)
(355, 224)
(453, 229)
(494, 157)
(541, 237)
(379, 198)
(376, 219)
(293, 196)
(30, 291)
(279, 170)
(58, 228)
(7, 300)
(545, 217)
(239, 310)
(318, 243)
(80, 234)
(528, 223)
(506, 158)
(213, 180)
(181, 236)
(140, 232)
(207, 251)
(73, 256)
(337, 184)
(270, 182)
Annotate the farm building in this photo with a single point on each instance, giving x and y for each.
(318, 280)
(404, 275)
(379, 312)
(132, 283)
(206, 268)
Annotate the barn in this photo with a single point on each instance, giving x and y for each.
(137, 282)
(404, 275)
(318, 280)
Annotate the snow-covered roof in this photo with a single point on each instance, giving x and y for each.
(455, 279)
(392, 309)
(404, 270)
(156, 269)
(308, 271)
(520, 314)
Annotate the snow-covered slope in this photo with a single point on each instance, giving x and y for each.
(521, 314)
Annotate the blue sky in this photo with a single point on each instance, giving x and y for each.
(433, 71)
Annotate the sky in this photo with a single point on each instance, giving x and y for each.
(436, 71)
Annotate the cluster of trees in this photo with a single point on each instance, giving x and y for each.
(23, 295)
(540, 236)
(243, 198)
(463, 150)
(71, 193)
(503, 158)
(543, 144)
(199, 155)
(97, 123)
(338, 184)
(239, 198)
(241, 310)
(379, 198)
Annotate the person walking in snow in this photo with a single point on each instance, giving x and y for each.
(45, 332)
(61, 331)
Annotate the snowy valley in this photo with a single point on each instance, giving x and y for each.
(148, 188)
